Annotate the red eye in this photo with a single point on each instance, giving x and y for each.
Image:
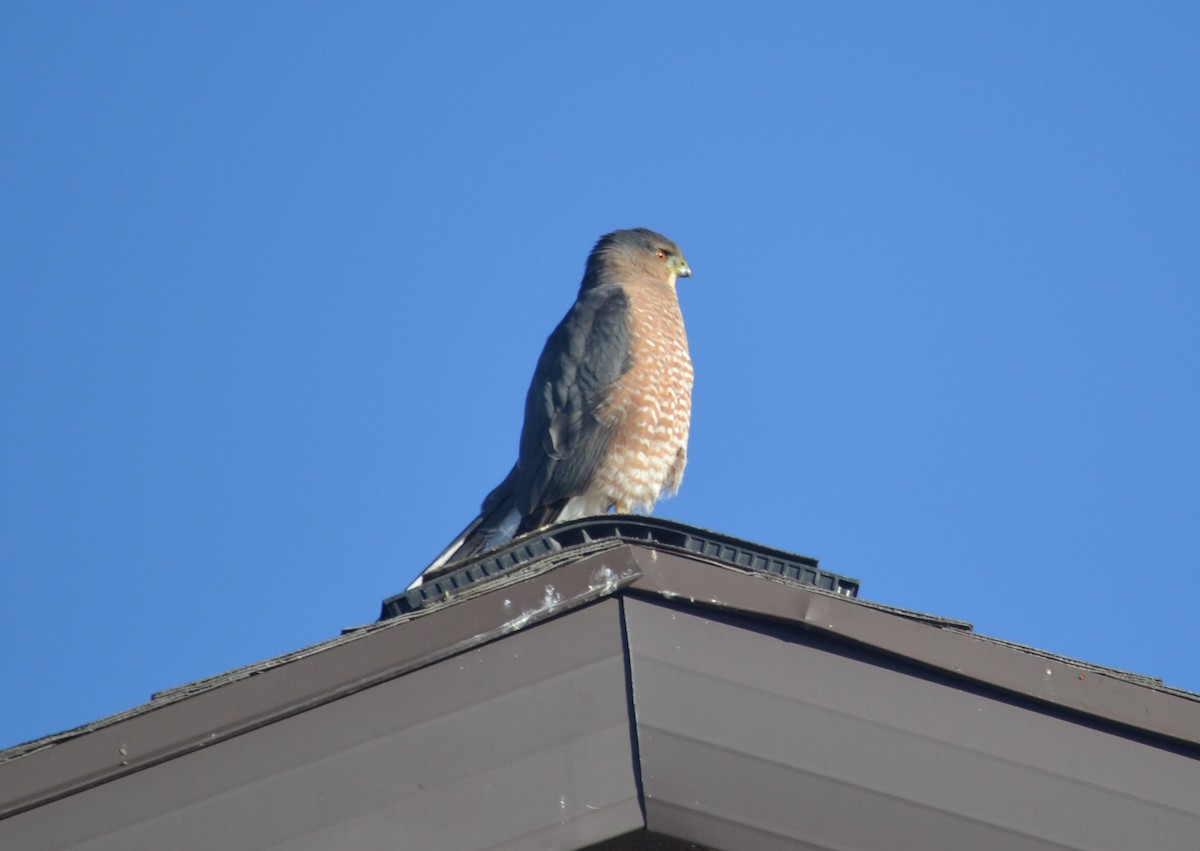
(662, 255)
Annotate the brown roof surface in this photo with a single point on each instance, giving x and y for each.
(639, 689)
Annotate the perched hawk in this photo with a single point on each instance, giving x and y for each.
(606, 415)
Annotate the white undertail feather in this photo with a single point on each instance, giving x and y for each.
(586, 505)
(447, 553)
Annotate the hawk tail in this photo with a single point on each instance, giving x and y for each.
(496, 524)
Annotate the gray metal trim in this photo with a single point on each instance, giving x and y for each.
(220, 714)
(521, 742)
(1043, 677)
(344, 667)
(759, 735)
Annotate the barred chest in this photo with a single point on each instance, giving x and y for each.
(652, 405)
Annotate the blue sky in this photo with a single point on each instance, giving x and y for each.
(275, 277)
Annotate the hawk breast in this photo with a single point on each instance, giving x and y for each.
(650, 405)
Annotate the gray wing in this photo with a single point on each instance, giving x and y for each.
(563, 439)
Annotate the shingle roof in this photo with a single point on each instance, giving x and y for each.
(713, 667)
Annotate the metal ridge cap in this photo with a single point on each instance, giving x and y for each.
(576, 538)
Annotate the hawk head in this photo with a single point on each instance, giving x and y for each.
(635, 255)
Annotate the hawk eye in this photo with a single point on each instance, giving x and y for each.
(662, 255)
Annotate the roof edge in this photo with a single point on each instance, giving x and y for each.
(189, 718)
(1075, 686)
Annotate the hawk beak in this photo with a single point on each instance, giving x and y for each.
(682, 269)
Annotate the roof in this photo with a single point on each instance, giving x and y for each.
(605, 692)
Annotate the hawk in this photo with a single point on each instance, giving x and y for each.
(607, 412)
